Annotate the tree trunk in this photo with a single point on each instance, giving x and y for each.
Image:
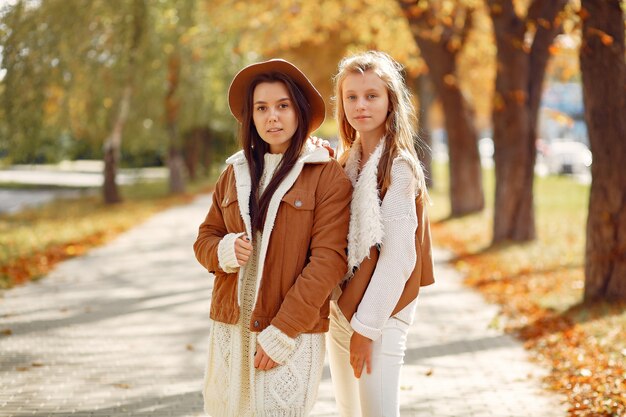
(604, 92)
(466, 189)
(423, 88)
(112, 145)
(175, 160)
(513, 211)
(519, 79)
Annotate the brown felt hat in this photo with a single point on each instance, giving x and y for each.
(243, 79)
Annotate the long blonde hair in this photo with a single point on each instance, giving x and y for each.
(401, 124)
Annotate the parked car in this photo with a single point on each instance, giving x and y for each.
(485, 149)
(567, 157)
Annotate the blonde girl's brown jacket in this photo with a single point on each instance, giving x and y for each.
(303, 248)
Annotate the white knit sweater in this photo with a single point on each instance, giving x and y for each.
(233, 387)
(397, 256)
(393, 227)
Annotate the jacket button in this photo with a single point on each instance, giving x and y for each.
(298, 203)
(256, 323)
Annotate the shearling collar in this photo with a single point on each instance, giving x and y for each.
(366, 224)
(310, 155)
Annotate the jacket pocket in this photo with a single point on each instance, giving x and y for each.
(296, 223)
(229, 198)
(300, 200)
(230, 211)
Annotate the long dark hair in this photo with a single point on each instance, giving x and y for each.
(254, 148)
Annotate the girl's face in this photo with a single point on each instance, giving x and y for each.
(366, 104)
(274, 115)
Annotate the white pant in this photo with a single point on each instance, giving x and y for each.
(375, 394)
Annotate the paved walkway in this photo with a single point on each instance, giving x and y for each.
(122, 332)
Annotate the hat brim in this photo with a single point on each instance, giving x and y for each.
(243, 79)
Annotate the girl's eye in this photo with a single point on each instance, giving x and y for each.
(371, 96)
(284, 106)
(350, 97)
(260, 108)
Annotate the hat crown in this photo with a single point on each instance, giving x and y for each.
(238, 90)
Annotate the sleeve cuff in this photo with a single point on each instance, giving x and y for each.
(369, 332)
(276, 344)
(226, 252)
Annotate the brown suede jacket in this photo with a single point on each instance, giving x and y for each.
(302, 252)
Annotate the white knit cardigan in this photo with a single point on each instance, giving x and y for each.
(290, 389)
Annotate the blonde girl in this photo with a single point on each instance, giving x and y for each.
(389, 248)
(275, 239)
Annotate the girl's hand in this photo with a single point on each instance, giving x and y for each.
(262, 361)
(322, 143)
(360, 354)
(243, 249)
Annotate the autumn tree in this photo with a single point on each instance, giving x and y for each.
(424, 91)
(112, 144)
(316, 35)
(176, 25)
(441, 34)
(67, 79)
(78, 75)
(604, 91)
(523, 42)
(32, 79)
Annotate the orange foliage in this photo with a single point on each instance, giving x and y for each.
(593, 380)
(38, 264)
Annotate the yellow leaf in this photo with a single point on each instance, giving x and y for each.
(543, 23)
(519, 96)
(606, 40)
(449, 80)
(498, 102)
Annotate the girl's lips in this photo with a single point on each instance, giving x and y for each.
(274, 130)
(362, 117)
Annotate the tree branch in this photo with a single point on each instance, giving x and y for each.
(467, 25)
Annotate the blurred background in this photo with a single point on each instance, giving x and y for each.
(147, 80)
(111, 110)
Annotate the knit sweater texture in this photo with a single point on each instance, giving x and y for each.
(233, 387)
(392, 227)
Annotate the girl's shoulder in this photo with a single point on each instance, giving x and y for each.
(408, 171)
(227, 176)
(406, 165)
(330, 172)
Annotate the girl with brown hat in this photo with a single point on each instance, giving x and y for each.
(275, 239)
(389, 252)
